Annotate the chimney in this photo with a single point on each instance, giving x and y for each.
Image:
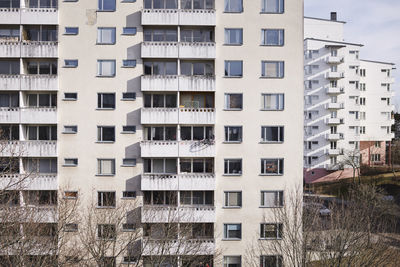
(333, 16)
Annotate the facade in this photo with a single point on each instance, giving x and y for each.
(185, 109)
(348, 109)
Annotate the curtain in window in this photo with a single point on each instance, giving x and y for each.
(269, 199)
(106, 35)
(106, 166)
(106, 68)
(44, 166)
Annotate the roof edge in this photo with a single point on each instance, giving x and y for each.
(331, 41)
(337, 21)
(380, 62)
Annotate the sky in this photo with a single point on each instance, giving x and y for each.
(374, 23)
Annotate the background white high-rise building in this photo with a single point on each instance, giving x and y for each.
(347, 101)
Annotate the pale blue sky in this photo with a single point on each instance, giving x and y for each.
(374, 23)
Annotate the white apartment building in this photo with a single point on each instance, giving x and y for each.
(183, 107)
(347, 101)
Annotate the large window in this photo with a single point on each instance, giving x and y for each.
(105, 100)
(10, 4)
(41, 132)
(272, 166)
(233, 199)
(272, 102)
(106, 199)
(197, 35)
(105, 166)
(41, 33)
(160, 198)
(271, 261)
(160, 4)
(232, 231)
(43, 3)
(232, 261)
(233, 6)
(272, 37)
(105, 35)
(42, 100)
(41, 165)
(234, 36)
(233, 166)
(233, 101)
(160, 101)
(272, 69)
(197, 198)
(9, 100)
(106, 68)
(160, 35)
(8, 67)
(105, 133)
(272, 134)
(160, 166)
(106, 5)
(160, 68)
(49, 67)
(197, 68)
(160, 133)
(271, 199)
(196, 165)
(9, 132)
(197, 4)
(272, 6)
(233, 134)
(197, 133)
(271, 230)
(233, 68)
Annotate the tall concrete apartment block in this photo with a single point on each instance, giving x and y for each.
(348, 105)
(186, 106)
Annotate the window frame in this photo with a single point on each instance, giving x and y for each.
(227, 102)
(100, 6)
(281, 100)
(100, 134)
(101, 200)
(279, 196)
(73, 164)
(280, 69)
(227, 161)
(226, 235)
(124, 65)
(71, 127)
(100, 74)
(281, 37)
(99, 36)
(71, 63)
(124, 164)
(240, 10)
(280, 163)
(226, 200)
(229, 30)
(278, 260)
(278, 231)
(126, 29)
(70, 98)
(227, 67)
(229, 127)
(101, 95)
(73, 31)
(281, 128)
(281, 7)
(100, 172)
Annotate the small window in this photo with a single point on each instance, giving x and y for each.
(106, 199)
(105, 100)
(233, 101)
(128, 63)
(105, 68)
(70, 162)
(106, 5)
(70, 96)
(129, 96)
(233, 36)
(106, 231)
(233, 134)
(71, 31)
(232, 231)
(129, 31)
(232, 261)
(129, 259)
(272, 134)
(105, 133)
(129, 162)
(272, 6)
(271, 199)
(105, 35)
(233, 68)
(129, 194)
(128, 227)
(272, 37)
(232, 166)
(71, 194)
(105, 166)
(272, 69)
(70, 129)
(233, 199)
(272, 102)
(71, 227)
(70, 63)
(271, 230)
(129, 129)
(271, 166)
(271, 261)
(233, 6)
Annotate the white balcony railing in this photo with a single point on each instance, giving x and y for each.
(334, 152)
(159, 149)
(333, 121)
(39, 148)
(29, 181)
(10, 49)
(35, 16)
(334, 60)
(178, 50)
(10, 16)
(334, 75)
(197, 50)
(185, 214)
(183, 181)
(197, 83)
(29, 115)
(204, 246)
(175, 116)
(39, 49)
(334, 106)
(29, 82)
(178, 83)
(337, 136)
(160, 50)
(199, 17)
(197, 115)
(202, 148)
(335, 90)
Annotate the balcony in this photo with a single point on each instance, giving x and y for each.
(178, 83)
(10, 115)
(29, 82)
(39, 16)
(39, 49)
(197, 17)
(197, 83)
(39, 148)
(160, 17)
(9, 15)
(197, 50)
(168, 182)
(184, 214)
(197, 115)
(337, 136)
(170, 116)
(204, 246)
(203, 148)
(334, 60)
(41, 115)
(334, 106)
(335, 90)
(334, 75)
(334, 121)
(334, 152)
(160, 50)
(29, 181)
(10, 49)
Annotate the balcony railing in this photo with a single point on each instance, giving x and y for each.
(185, 214)
(29, 115)
(197, 50)
(334, 75)
(337, 136)
(160, 50)
(39, 148)
(200, 83)
(29, 16)
(335, 90)
(204, 246)
(175, 115)
(334, 121)
(199, 17)
(10, 49)
(193, 50)
(334, 152)
(39, 49)
(334, 60)
(29, 82)
(183, 181)
(29, 181)
(197, 115)
(202, 148)
(334, 106)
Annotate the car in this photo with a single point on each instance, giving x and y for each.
(313, 206)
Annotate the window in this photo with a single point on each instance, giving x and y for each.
(233, 101)
(271, 230)
(106, 199)
(128, 227)
(272, 101)
(71, 194)
(105, 68)
(233, 36)
(70, 63)
(362, 129)
(160, 198)
(232, 166)
(160, 100)
(128, 194)
(160, 133)
(233, 133)
(160, 68)
(272, 6)
(160, 166)
(197, 68)
(232, 261)
(129, 30)
(71, 227)
(70, 96)
(377, 144)
(271, 166)
(106, 5)
(70, 129)
(106, 231)
(41, 133)
(70, 162)
(195, 133)
(105, 133)
(233, 199)
(105, 100)
(128, 63)
(105, 166)
(197, 4)
(43, 4)
(272, 69)
(233, 6)
(272, 37)
(128, 96)
(271, 261)
(362, 72)
(272, 134)
(233, 68)
(71, 31)
(160, 4)
(128, 162)
(362, 101)
(9, 132)
(197, 198)
(105, 35)
(375, 157)
(43, 165)
(271, 199)
(196, 165)
(129, 129)
(42, 100)
(161, 35)
(232, 231)
(45, 67)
